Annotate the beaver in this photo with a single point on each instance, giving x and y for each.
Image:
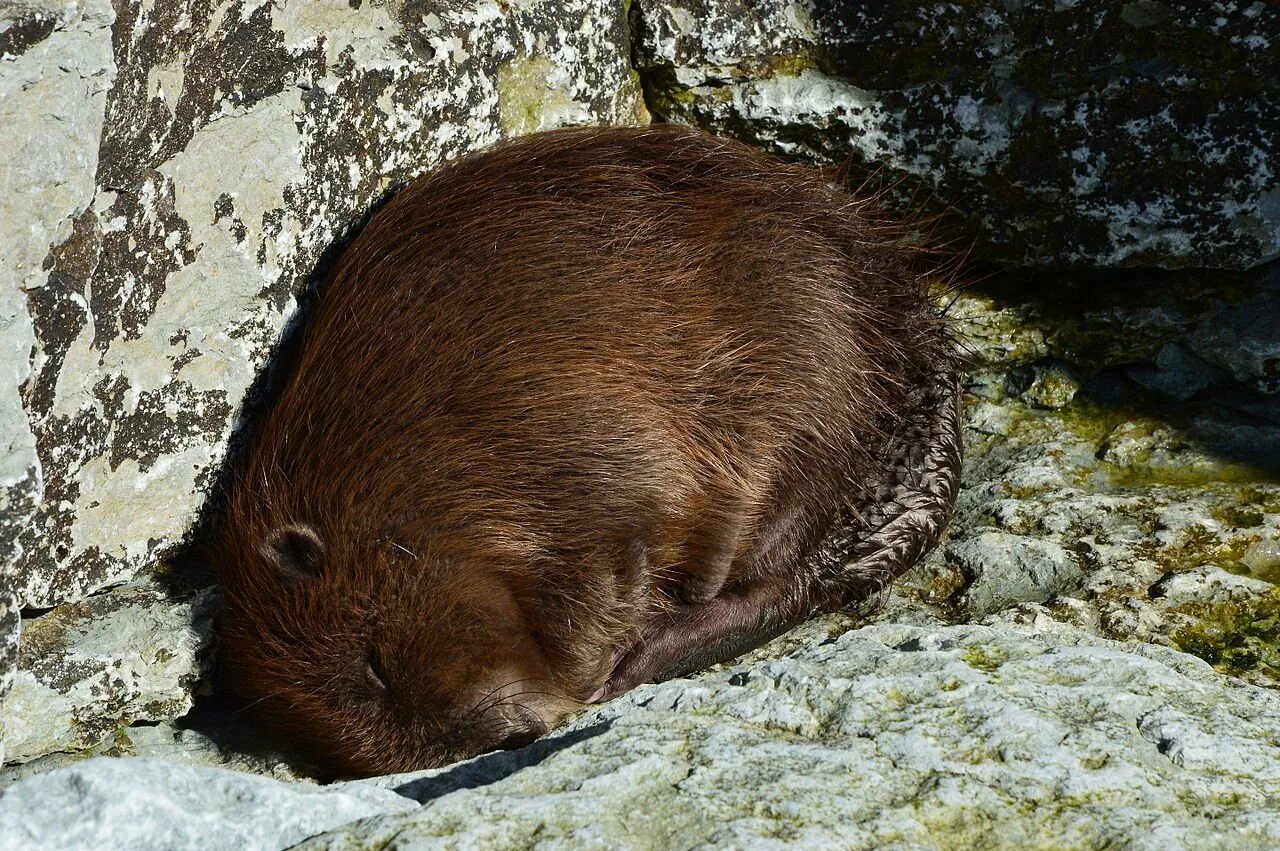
(590, 408)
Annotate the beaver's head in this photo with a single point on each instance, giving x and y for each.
(377, 659)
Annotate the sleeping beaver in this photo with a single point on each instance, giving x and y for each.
(591, 408)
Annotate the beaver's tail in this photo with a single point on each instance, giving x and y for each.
(899, 516)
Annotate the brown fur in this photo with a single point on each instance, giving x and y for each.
(552, 391)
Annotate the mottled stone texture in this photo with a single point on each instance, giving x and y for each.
(1083, 132)
(883, 737)
(175, 172)
(89, 669)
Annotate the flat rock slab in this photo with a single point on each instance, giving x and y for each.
(889, 735)
(149, 804)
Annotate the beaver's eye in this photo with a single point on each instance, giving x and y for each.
(373, 672)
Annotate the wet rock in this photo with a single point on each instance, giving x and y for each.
(1263, 558)
(1075, 133)
(153, 804)
(87, 670)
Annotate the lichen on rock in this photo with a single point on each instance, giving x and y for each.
(1139, 506)
(87, 669)
(1081, 133)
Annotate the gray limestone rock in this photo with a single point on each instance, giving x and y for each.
(10, 621)
(968, 737)
(153, 805)
(892, 736)
(1003, 569)
(1071, 133)
(1130, 514)
(87, 670)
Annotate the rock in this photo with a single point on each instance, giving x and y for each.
(1263, 558)
(1062, 502)
(1243, 340)
(86, 670)
(50, 123)
(204, 737)
(190, 169)
(1207, 584)
(9, 622)
(1004, 569)
(1167, 509)
(887, 735)
(1176, 373)
(1048, 385)
(150, 805)
(1133, 134)
(898, 736)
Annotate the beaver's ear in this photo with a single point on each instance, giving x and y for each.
(295, 551)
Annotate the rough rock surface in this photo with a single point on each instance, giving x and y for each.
(192, 162)
(9, 623)
(176, 173)
(1145, 504)
(88, 669)
(887, 735)
(150, 805)
(1083, 132)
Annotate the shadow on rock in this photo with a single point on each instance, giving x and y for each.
(493, 767)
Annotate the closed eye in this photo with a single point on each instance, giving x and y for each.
(373, 672)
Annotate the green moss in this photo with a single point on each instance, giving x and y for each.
(985, 658)
(1237, 637)
(1238, 516)
(525, 95)
(787, 65)
(664, 96)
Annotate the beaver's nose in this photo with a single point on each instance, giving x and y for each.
(526, 726)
